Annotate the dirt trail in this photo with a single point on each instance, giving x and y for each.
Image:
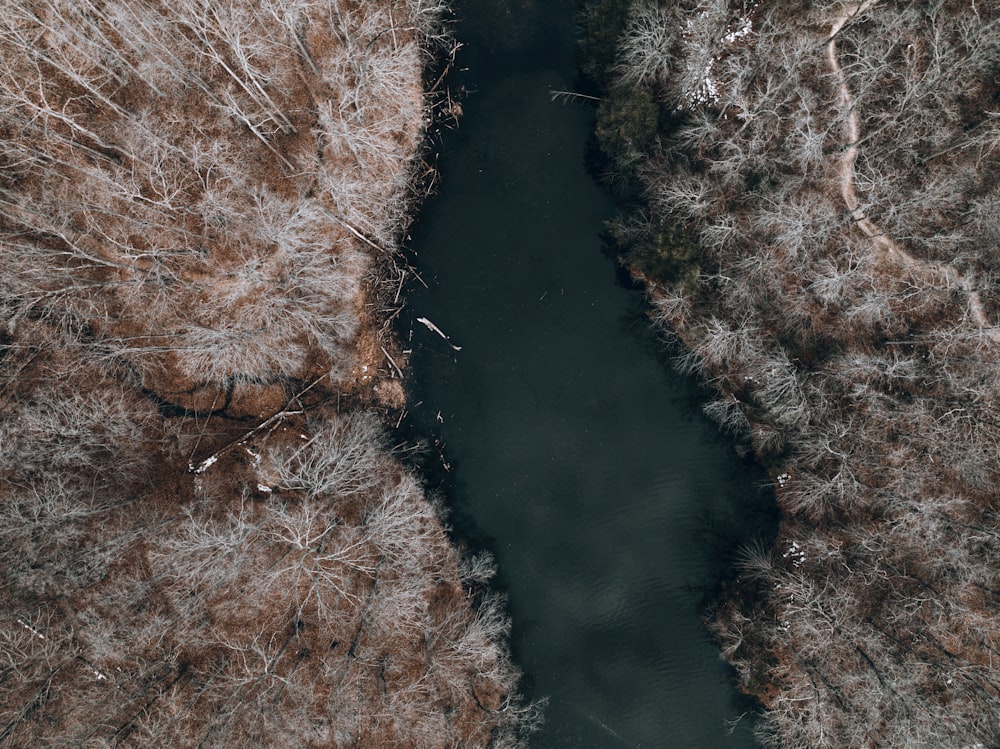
(886, 249)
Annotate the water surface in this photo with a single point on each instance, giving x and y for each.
(578, 458)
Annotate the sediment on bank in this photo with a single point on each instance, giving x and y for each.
(206, 538)
(817, 229)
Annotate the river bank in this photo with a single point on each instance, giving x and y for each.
(828, 273)
(207, 538)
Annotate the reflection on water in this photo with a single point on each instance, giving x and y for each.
(578, 458)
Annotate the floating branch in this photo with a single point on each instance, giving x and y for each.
(434, 328)
(566, 95)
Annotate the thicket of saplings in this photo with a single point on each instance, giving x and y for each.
(820, 231)
(201, 542)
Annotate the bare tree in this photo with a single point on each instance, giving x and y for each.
(834, 164)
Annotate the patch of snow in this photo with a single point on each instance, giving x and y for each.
(255, 462)
(707, 90)
(795, 553)
(742, 30)
(205, 464)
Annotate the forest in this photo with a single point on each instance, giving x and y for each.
(206, 536)
(815, 217)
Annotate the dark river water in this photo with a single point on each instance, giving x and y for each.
(578, 458)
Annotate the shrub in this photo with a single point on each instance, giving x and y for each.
(666, 253)
(627, 123)
(602, 23)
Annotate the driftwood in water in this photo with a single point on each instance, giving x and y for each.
(434, 328)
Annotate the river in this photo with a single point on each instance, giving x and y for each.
(578, 458)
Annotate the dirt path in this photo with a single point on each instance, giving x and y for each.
(886, 249)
